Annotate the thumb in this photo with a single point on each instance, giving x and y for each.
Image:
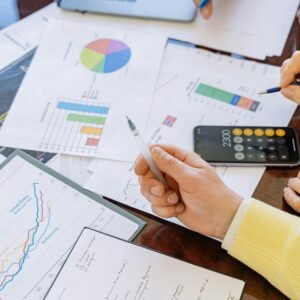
(292, 92)
(168, 163)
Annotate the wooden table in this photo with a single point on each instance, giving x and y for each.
(194, 248)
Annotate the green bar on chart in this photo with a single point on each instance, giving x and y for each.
(214, 93)
(86, 119)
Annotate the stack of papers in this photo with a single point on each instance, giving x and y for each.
(175, 98)
(84, 79)
(98, 76)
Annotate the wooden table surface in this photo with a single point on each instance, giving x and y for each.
(194, 248)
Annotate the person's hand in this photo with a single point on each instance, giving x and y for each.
(291, 193)
(289, 71)
(207, 10)
(197, 196)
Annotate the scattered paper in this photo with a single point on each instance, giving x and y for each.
(127, 271)
(82, 82)
(42, 214)
(178, 107)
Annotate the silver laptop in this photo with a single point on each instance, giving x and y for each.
(179, 10)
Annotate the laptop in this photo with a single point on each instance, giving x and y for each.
(176, 10)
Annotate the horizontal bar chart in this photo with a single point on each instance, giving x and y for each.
(77, 125)
(227, 97)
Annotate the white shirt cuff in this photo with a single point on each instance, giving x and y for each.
(235, 224)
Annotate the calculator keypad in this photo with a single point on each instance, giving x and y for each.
(262, 145)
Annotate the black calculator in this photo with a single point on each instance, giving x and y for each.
(246, 145)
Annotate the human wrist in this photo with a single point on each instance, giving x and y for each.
(228, 215)
(236, 224)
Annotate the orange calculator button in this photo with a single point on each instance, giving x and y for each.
(237, 131)
(259, 132)
(269, 132)
(248, 132)
(280, 132)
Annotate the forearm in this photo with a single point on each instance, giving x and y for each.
(268, 241)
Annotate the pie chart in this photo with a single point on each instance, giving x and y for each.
(105, 55)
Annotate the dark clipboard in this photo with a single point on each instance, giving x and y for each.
(99, 199)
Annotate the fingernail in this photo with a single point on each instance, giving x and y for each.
(285, 190)
(205, 12)
(155, 191)
(180, 208)
(156, 152)
(287, 92)
(172, 199)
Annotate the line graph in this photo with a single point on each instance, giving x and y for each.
(31, 242)
(40, 218)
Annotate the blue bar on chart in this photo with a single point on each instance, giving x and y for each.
(85, 108)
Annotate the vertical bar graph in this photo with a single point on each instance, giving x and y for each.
(75, 126)
(227, 97)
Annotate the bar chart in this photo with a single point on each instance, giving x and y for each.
(75, 126)
(227, 97)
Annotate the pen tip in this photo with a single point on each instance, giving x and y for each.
(262, 93)
(130, 123)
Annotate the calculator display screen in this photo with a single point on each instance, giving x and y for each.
(262, 145)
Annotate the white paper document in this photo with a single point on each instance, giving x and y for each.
(81, 84)
(75, 168)
(262, 28)
(103, 267)
(179, 105)
(42, 214)
(243, 27)
(21, 37)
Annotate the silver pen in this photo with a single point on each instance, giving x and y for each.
(146, 153)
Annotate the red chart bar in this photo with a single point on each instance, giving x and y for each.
(92, 142)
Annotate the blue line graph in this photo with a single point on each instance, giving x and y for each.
(32, 245)
(45, 231)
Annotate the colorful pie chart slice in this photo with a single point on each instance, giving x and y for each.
(105, 56)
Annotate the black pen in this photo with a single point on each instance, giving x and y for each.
(277, 89)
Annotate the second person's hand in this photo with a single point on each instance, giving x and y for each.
(291, 193)
(289, 71)
(207, 10)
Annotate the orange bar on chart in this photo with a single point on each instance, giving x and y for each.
(245, 103)
(91, 130)
(92, 142)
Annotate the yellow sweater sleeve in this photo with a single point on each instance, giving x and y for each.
(268, 241)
